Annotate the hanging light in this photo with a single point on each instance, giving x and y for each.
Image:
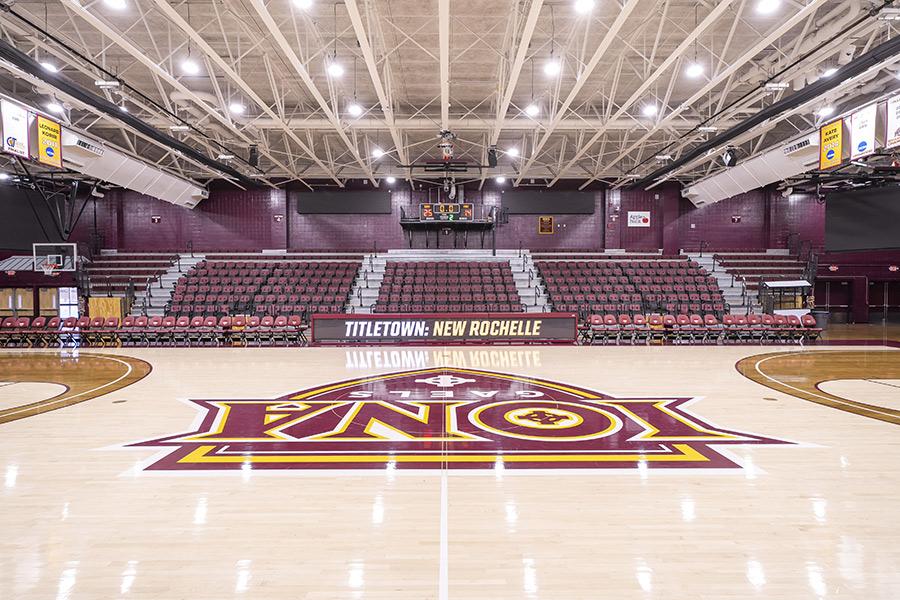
(584, 6)
(500, 179)
(55, 107)
(551, 68)
(303, 4)
(694, 70)
(650, 110)
(236, 108)
(390, 179)
(354, 109)
(115, 4)
(377, 152)
(49, 67)
(514, 152)
(190, 67)
(767, 7)
(335, 69)
(532, 110)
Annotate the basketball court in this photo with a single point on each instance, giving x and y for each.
(449, 299)
(151, 480)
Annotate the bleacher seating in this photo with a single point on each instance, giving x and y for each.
(641, 286)
(448, 287)
(272, 287)
(753, 267)
(111, 273)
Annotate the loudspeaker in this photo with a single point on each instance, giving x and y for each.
(492, 157)
(253, 159)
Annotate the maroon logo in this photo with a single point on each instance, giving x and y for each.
(449, 418)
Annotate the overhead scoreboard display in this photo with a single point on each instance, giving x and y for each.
(446, 212)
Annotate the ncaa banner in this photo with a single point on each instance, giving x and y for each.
(831, 145)
(444, 328)
(893, 123)
(15, 128)
(863, 132)
(49, 145)
(638, 218)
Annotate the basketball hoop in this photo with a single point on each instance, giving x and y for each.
(50, 269)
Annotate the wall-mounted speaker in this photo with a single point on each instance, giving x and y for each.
(253, 159)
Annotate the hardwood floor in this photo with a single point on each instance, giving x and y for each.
(786, 493)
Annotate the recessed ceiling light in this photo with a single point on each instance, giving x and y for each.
(584, 6)
(532, 110)
(650, 110)
(513, 152)
(354, 109)
(190, 67)
(825, 111)
(303, 4)
(335, 69)
(377, 152)
(55, 107)
(390, 180)
(49, 67)
(694, 70)
(551, 68)
(237, 108)
(115, 4)
(500, 179)
(829, 72)
(767, 7)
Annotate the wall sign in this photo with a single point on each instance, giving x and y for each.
(831, 145)
(15, 129)
(863, 127)
(893, 123)
(638, 218)
(49, 146)
(545, 226)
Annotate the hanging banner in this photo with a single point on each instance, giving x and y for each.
(862, 132)
(15, 128)
(893, 123)
(49, 146)
(638, 218)
(831, 145)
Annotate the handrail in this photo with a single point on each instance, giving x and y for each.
(190, 246)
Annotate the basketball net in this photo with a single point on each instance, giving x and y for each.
(50, 269)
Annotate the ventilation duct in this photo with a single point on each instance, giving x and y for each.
(107, 164)
(770, 167)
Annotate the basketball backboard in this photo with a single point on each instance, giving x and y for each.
(58, 257)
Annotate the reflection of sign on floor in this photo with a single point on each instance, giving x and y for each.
(448, 418)
(545, 225)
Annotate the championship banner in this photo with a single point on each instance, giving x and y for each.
(638, 218)
(863, 132)
(444, 328)
(49, 145)
(831, 145)
(15, 128)
(893, 123)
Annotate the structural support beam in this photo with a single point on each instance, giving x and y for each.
(444, 39)
(383, 98)
(301, 70)
(165, 8)
(514, 72)
(608, 39)
(155, 68)
(641, 91)
(723, 76)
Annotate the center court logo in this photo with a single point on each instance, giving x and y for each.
(448, 418)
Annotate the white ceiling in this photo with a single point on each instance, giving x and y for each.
(271, 57)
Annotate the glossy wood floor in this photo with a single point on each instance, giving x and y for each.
(80, 517)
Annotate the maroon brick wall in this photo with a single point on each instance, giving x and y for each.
(237, 220)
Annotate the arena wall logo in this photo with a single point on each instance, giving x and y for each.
(448, 418)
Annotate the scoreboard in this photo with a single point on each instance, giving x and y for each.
(446, 212)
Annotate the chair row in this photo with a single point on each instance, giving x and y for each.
(153, 331)
(694, 329)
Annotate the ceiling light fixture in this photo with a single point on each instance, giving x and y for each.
(115, 4)
(829, 72)
(767, 7)
(532, 110)
(49, 67)
(377, 152)
(177, 128)
(650, 110)
(236, 108)
(190, 67)
(500, 179)
(335, 69)
(825, 111)
(551, 68)
(4, 175)
(513, 152)
(55, 107)
(303, 4)
(694, 70)
(584, 6)
(354, 109)
(390, 179)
